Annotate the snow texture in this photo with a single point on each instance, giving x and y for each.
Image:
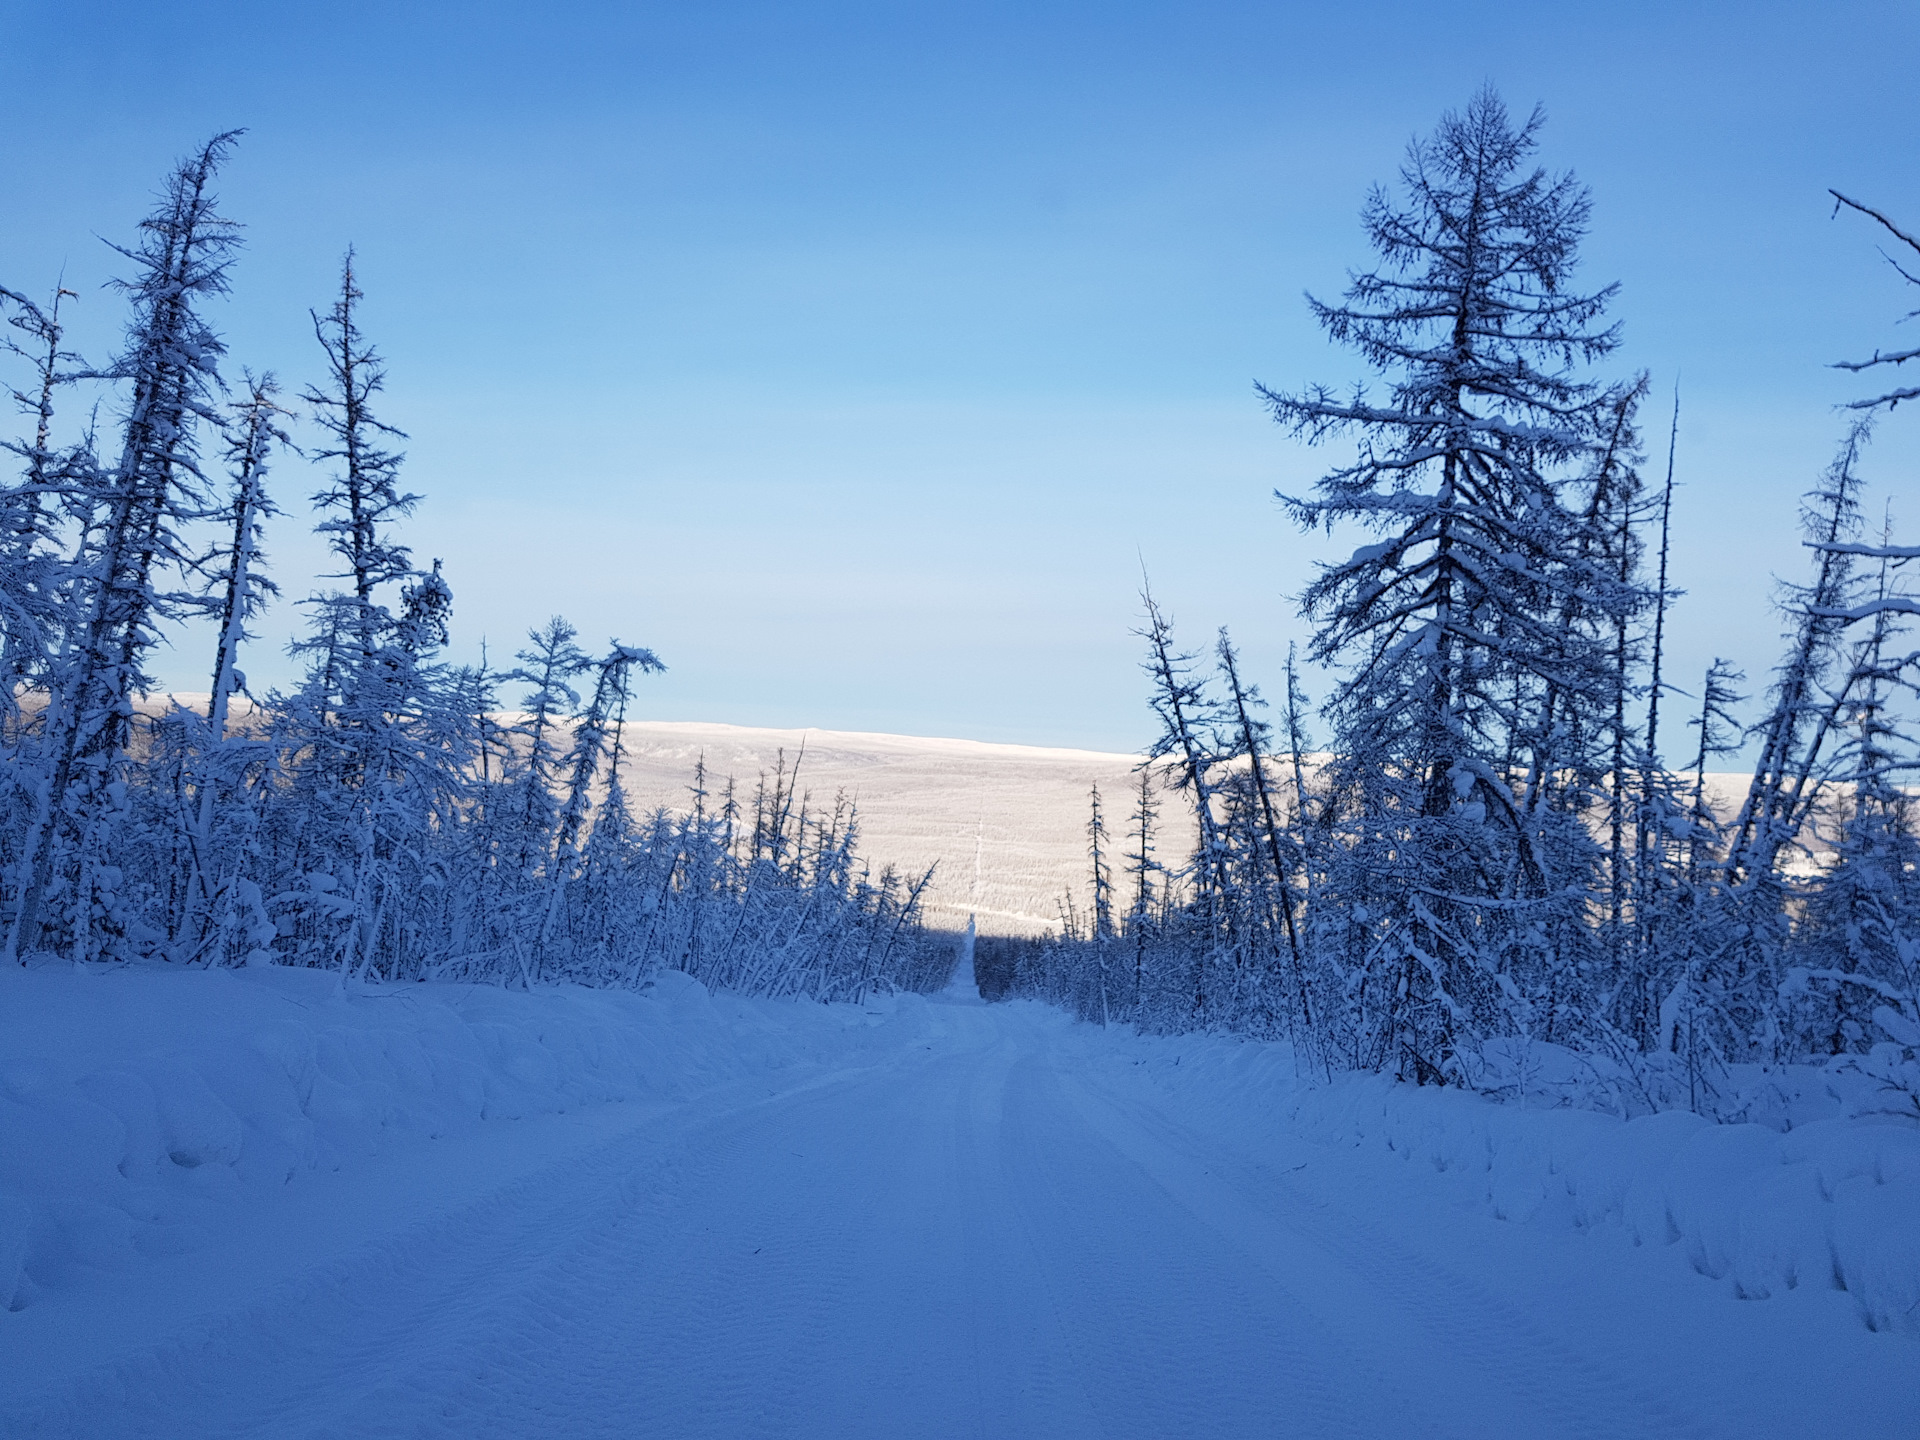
(254, 1202)
(1826, 1204)
(141, 1107)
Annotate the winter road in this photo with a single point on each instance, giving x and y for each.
(987, 1236)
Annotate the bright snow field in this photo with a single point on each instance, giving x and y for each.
(252, 1203)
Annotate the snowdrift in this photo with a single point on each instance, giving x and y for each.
(1832, 1201)
(139, 1105)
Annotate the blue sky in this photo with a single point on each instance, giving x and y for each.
(855, 356)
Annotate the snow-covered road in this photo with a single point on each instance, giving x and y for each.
(1001, 1231)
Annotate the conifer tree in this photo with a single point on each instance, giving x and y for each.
(244, 587)
(1858, 945)
(1098, 849)
(363, 498)
(1181, 704)
(1140, 871)
(1252, 735)
(1448, 630)
(135, 509)
(385, 727)
(1101, 918)
(1804, 708)
(216, 765)
(29, 572)
(594, 735)
(1185, 747)
(549, 667)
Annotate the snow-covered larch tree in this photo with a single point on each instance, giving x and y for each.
(30, 570)
(215, 767)
(549, 668)
(1448, 629)
(1858, 942)
(69, 890)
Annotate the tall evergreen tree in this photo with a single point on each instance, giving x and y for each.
(1449, 630)
(136, 508)
(385, 726)
(243, 587)
(363, 498)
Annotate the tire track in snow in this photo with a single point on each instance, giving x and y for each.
(768, 1289)
(1024, 1378)
(1184, 1337)
(983, 1241)
(416, 1302)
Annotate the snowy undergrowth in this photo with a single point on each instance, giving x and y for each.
(140, 1105)
(1827, 1196)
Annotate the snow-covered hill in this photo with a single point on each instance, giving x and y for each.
(1020, 811)
(1005, 826)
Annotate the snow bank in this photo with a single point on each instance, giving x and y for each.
(1831, 1202)
(141, 1104)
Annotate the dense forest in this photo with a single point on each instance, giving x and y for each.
(388, 817)
(1501, 838)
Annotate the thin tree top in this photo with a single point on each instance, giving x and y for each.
(183, 256)
(1472, 301)
(1890, 398)
(364, 497)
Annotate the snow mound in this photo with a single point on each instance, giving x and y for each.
(139, 1105)
(1830, 1202)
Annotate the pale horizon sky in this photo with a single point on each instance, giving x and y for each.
(854, 357)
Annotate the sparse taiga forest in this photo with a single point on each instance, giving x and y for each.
(1444, 1037)
(1492, 832)
(1501, 834)
(386, 818)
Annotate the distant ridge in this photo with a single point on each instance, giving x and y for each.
(925, 802)
(928, 801)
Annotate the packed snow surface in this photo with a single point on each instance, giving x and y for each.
(257, 1203)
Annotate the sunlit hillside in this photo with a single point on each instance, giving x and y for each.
(1005, 825)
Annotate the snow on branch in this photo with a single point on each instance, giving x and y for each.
(1895, 553)
(1885, 605)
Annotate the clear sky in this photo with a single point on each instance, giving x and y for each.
(853, 356)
